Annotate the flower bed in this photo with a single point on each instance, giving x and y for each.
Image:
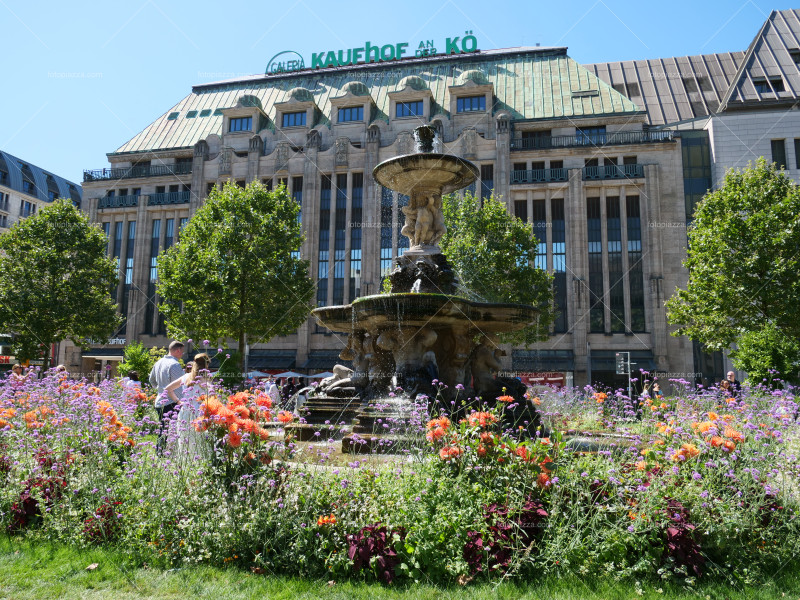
(701, 487)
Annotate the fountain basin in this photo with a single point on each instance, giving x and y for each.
(409, 173)
(372, 313)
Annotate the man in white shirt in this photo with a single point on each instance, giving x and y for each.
(165, 371)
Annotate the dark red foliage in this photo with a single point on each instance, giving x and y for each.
(507, 534)
(375, 541)
(104, 524)
(680, 544)
(26, 510)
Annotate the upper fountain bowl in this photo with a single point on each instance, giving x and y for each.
(425, 171)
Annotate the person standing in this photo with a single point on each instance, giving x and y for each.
(195, 384)
(736, 385)
(165, 371)
(274, 392)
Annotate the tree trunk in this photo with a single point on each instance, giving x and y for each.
(242, 350)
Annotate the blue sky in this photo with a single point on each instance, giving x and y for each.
(81, 78)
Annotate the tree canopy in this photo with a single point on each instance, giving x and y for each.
(55, 281)
(743, 261)
(493, 253)
(236, 270)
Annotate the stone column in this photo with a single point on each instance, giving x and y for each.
(652, 265)
(137, 298)
(253, 154)
(370, 236)
(348, 228)
(502, 171)
(577, 272)
(198, 194)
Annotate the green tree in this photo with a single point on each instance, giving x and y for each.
(234, 271)
(55, 281)
(492, 252)
(743, 261)
(140, 359)
(768, 356)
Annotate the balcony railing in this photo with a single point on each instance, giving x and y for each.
(578, 140)
(613, 172)
(137, 171)
(539, 176)
(169, 198)
(118, 201)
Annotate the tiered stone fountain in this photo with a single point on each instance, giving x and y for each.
(422, 331)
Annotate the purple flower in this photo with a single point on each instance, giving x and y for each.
(206, 343)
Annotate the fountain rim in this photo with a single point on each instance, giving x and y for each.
(431, 295)
(470, 166)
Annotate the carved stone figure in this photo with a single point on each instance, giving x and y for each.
(341, 145)
(424, 222)
(313, 139)
(282, 151)
(356, 352)
(225, 161)
(485, 363)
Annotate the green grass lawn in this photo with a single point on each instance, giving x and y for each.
(43, 570)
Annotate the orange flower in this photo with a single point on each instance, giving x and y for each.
(712, 416)
(263, 401)
(704, 427)
(522, 452)
(285, 417)
(450, 452)
(326, 520)
(505, 398)
(717, 441)
(481, 451)
(536, 401)
(441, 422)
(543, 480)
(728, 446)
(481, 419)
(686, 452)
(730, 400)
(641, 465)
(234, 439)
(238, 399)
(731, 433)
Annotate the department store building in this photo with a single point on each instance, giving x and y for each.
(605, 161)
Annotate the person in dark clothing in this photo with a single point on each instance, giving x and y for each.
(288, 389)
(735, 386)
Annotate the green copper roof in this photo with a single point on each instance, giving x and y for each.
(529, 83)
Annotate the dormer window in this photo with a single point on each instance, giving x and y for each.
(351, 113)
(766, 85)
(241, 124)
(294, 119)
(409, 109)
(471, 104)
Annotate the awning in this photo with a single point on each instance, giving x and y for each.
(104, 353)
(542, 360)
(263, 360)
(324, 360)
(606, 360)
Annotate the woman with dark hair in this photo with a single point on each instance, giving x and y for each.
(195, 384)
